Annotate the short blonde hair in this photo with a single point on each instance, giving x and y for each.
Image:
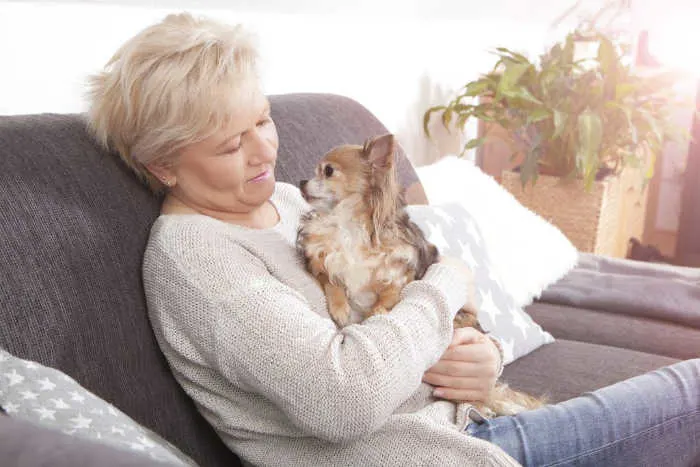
(173, 84)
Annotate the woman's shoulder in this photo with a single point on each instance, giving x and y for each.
(191, 238)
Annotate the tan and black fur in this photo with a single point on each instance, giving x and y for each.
(360, 244)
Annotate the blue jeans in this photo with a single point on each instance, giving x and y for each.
(649, 420)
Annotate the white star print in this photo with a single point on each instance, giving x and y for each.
(519, 321)
(118, 431)
(3, 357)
(15, 378)
(46, 385)
(46, 413)
(137, 446)
(438, 239)
(31, 366)
(444, 215)
(146, 442)
(97, 412)
(29, 395)
(493, 275)
(77, 397)
(11, 408)
(112, 411)
(60, 404)
(508, 347)
(488, 306)
(467, 255)
(81, 422)
(473, 233)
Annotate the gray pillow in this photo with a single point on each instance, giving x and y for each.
(50, 398)
(455, 233)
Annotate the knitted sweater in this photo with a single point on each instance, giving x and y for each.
(245, 330)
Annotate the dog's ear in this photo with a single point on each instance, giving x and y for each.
(379, 151)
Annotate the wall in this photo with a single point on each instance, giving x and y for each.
(398, 58)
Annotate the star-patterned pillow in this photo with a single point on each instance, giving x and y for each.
(455, 233)
(50, 398)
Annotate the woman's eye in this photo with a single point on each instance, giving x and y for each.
(264, 121)
(328, 171)
(231, 150)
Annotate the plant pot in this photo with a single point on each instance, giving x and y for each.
(599, 221)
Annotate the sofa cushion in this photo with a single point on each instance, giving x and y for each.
(617, 330)
(74, 222)
(25, 444)
(48, 397)
(528, 252)
(455, 233)
(566, 369)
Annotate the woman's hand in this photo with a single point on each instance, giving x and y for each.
(468, 369)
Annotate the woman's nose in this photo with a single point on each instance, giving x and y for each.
(263, 147)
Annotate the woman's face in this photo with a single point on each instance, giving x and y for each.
(231, 172)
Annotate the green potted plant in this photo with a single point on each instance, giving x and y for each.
(591, 121)
(568, 116)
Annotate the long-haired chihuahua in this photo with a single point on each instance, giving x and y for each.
(359, 243)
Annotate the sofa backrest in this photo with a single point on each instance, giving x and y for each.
(73, 226)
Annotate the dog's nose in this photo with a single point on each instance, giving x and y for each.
(302, 184)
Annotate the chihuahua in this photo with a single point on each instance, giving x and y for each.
(359, 243)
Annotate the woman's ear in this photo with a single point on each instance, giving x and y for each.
(161, 171)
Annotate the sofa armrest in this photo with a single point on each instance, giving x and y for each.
(28, 445)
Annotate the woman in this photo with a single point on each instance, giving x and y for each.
(245, 328)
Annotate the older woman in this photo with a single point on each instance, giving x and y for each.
(245, 327)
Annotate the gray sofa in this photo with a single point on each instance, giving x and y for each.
(73, 225)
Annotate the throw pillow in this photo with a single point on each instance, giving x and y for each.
(455, 233)
(528, 252)
(48, 397)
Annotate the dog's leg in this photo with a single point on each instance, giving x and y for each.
(338, 306)
(386, 299)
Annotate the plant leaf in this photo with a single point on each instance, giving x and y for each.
(477, 88)
(513, 55)
(623, 90)
(513, 72)
(607, 57)
(560, 119)
(474, 143)
(537, 115)
(590, 137)
(426, 118)
(447, 117)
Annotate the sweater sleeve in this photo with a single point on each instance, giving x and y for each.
(332, 384)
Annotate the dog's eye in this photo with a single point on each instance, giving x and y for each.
(328, 171)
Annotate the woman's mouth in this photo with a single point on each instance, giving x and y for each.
(261, 176)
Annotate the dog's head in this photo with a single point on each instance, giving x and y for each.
(366, 172)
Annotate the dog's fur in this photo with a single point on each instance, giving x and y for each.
(361, 246)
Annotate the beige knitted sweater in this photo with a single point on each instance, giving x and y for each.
(247, 335)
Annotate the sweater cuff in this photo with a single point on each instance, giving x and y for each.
(450, 282)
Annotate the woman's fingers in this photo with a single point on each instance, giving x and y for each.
(462, 336)
(461, 395)
(478, 352)
(440, 380)
(460, 368)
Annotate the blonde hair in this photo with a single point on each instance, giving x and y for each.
(173, 84)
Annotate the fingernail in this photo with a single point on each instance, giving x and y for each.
(438, 393)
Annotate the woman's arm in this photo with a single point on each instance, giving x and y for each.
(333, 384)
